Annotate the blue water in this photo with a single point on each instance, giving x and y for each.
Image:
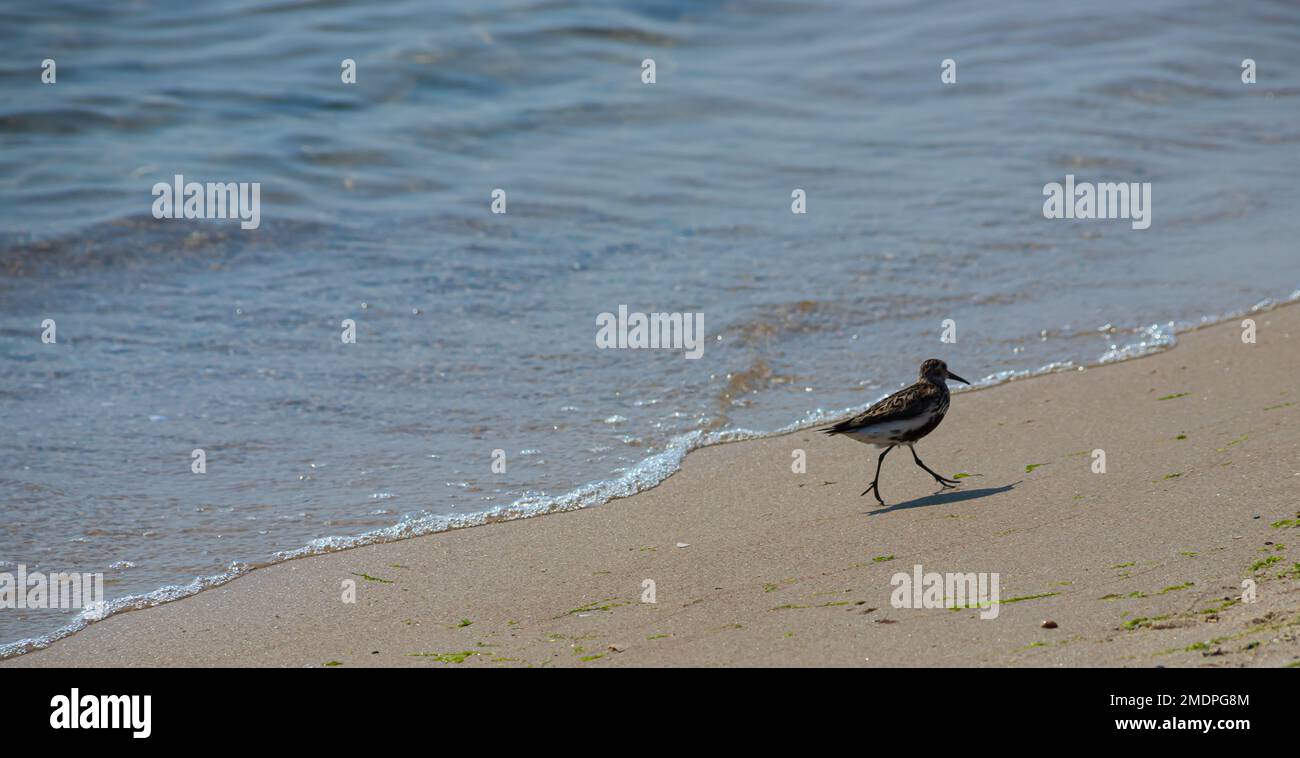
(475, 331)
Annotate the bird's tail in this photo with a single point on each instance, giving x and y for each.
(838, 428)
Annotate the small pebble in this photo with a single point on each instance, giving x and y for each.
(682, 544)
(1048, 624)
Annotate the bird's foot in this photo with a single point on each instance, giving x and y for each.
(874, 488)
(944, 480)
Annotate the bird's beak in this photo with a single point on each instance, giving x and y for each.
(951, 375)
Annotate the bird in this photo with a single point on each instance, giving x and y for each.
(903, 418)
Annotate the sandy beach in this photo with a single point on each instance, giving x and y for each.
(754, 564)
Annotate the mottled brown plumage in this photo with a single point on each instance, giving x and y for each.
(903, 418)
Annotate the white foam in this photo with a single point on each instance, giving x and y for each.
(128, 603)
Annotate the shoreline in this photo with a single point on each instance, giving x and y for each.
(713, 478)
(1163, 336)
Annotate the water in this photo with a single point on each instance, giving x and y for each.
(476, 331)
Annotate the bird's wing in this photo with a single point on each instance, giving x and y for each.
(907, 403)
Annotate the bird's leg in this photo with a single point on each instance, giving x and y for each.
(941, 480)
(875, 483)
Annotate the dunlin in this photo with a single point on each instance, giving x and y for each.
(903, 418)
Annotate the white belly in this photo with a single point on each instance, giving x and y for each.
(889, 432)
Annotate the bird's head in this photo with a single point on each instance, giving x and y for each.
(935, 370)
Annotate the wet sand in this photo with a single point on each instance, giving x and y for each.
(754, 564)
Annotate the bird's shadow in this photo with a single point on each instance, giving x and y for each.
(945, 497)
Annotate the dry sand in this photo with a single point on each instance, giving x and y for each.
(1139, 566)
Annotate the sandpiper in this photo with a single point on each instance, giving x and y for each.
(903, 418)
